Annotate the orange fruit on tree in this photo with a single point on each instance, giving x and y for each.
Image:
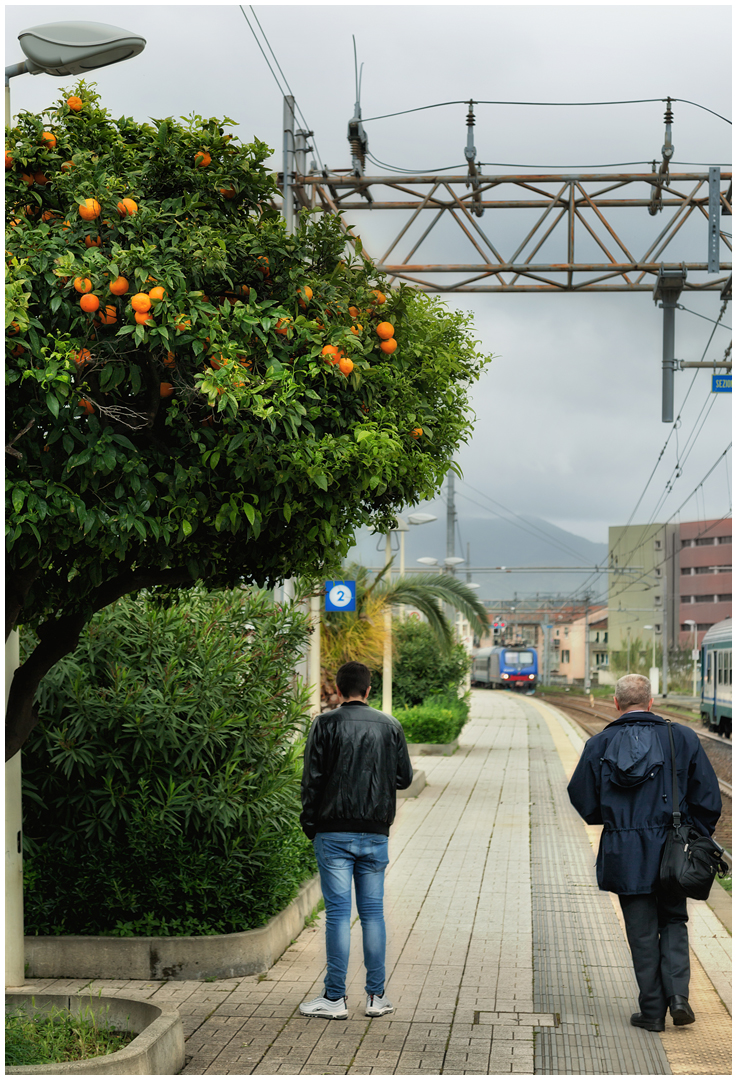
(67, 165)
(8, 160)
(331, 354)
(183, 324)
(202, 158)
(49, 139)
(353, 312)
(305, 292)
(264, 268)
(89, 209)
(142, 317)
(119, 287)
(228, 192)
(345, 365)
(82, 285)
(356, 329)
(416, 432)
(216, 362)
(380, 298)
(127, 207)
(93, 241)
(48, 215)
(27, 178)
(74, 103)
(141, 302)
(86, 405)
(89, 302)
(169, 360)
(385, 330)
(282, 326)
(389, 346)
(157, 293)
(41, 178)
(107, 317)
(82, 357)
(166, 389)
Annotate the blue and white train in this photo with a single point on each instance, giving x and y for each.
(716, 678)
(506, 667)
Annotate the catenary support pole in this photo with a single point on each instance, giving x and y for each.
(288, 157)
(386, 681)
(14, 955)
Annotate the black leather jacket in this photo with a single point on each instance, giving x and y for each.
(355, 759)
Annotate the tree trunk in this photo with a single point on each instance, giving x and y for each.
(60, 636)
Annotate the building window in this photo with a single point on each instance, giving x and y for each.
(724, 598)
(658, 628)
(706, 541)
(702, 569)
(606, 635)
(658, 545)
(602, 659)
(658, 599)
(705, 598)
(565, 656)
(686, 569)
(686, 543)
(724, 539)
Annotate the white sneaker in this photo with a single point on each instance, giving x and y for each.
(322, 1006)
(378, 1006)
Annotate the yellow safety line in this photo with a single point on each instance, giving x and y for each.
(700, 1049)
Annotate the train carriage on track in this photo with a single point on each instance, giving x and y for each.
(506, 667)
(716, 678)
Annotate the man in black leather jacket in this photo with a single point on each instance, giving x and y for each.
(355, 760)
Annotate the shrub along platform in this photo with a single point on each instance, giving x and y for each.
(219, 956)
(446, 749)
(157, 1051)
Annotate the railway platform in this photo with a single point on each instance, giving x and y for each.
(503, 956)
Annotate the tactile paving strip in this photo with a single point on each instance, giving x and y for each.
(582, 965)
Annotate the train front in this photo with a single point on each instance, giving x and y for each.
(518, 669)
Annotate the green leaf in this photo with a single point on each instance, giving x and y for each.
(52, 404)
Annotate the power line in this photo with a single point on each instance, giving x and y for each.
(547, 104)
(518, 165)
(281, 90)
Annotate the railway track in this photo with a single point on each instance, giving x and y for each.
(592, 719)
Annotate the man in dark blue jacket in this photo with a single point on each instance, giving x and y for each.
(623, 781)
(355, 760)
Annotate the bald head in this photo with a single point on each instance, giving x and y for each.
(633, 692)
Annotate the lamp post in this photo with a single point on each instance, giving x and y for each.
(386, 675)
(654, 671)
(59, 49)
(695, 651)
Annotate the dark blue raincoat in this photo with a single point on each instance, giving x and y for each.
(623, 781)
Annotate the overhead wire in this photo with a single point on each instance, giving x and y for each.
(551, 104)
(286, 83)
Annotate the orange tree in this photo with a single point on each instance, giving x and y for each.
(193, 394)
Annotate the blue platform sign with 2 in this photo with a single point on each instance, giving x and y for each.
(721, 384)
(340, 596)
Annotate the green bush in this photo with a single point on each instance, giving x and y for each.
(420, 668)
(161, 788)
(439, 719)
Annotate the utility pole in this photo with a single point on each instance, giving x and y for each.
(667, 289)
(288, 158)
(450, 532)
(665, 616)
(586, 649)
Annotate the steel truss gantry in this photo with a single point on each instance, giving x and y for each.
(566, 210)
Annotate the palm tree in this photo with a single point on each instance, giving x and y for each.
(360, 634)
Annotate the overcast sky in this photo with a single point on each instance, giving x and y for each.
(569, 425)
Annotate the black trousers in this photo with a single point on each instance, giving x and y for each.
(658, 939)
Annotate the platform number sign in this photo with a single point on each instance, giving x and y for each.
(340, 596)
(721, 384)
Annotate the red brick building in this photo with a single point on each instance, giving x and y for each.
(704, 577)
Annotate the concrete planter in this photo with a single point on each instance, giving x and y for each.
(446, 749)
(216, 956)
(158, 1049)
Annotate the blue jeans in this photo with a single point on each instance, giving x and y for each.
(343, 857)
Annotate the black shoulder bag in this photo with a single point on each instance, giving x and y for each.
(690, 861)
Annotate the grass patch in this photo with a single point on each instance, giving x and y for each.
(57, 1036)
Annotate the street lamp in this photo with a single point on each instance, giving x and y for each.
(654, 671)
(402, 528)
(695, 652)
(72, 48)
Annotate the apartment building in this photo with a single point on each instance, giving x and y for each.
(663, 576)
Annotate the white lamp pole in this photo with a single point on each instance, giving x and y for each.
(695, 651)
(654, 671)
(59, 49)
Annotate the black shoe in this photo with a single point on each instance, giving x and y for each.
(647, 1022)
(680, 1010)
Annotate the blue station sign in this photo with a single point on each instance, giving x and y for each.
(340, 596)
(721, 384)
